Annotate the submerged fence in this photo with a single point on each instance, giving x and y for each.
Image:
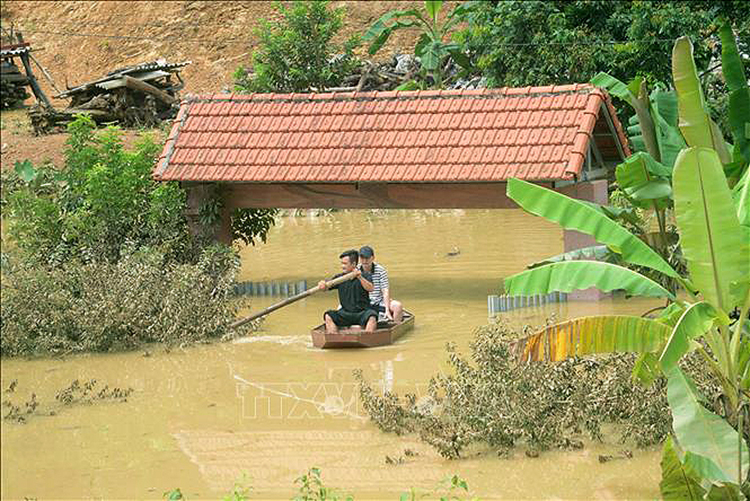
(282, 289)
(503, 303)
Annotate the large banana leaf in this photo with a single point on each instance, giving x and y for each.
(678, 481)
(593, 253)
(693, 323)
(739, 92)
(666, 120)
(695, 122)
(712, 447)
(712, 242)
(573, 214)
(635, 95)
(645, 181)
(433, 8)
(568, 276)
(380, 32)
(741, 196)
(432, 54)
(591, 335)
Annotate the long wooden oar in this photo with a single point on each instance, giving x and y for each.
(290, 300)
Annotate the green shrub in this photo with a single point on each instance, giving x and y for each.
(297, 52)
(102, 199)
(102, 306)
(520, 43)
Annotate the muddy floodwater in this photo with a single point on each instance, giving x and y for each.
(271, 406)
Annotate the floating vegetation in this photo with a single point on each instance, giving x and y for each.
(87, 393)
(623, 454)
(77, 392)
(19, 413)
(490, 399)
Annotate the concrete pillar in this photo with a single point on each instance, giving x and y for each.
(591, 191)
(199, 194)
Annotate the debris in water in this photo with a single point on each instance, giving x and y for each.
(75, 393)
(12, 386)
(624, 454)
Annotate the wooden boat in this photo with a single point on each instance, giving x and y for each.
(355, 337)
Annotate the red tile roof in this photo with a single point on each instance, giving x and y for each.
(535, 133)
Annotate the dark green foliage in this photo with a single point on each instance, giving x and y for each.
(519, 43)
(434, 46)
(492, 400)
(250, 224)
(101, 199)
(297, 52)
(104, 198)
(103, 306)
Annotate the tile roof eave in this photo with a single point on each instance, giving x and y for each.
(171, 141)
(596, 101)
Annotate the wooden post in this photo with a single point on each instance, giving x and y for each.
(591, 191)
(199, 194)
(38, 93)
(135, 84)
(45, 73)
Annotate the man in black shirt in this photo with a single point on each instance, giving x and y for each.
(353, 296)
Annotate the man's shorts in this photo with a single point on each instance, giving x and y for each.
(343, 318)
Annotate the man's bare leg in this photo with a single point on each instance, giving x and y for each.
(372, 323)
(331, 327)
(397, 310)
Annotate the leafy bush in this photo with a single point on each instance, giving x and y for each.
(297, 52)
(103, 306)
(100, 199)
(502, 404)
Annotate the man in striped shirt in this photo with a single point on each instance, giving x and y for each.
(380, 296)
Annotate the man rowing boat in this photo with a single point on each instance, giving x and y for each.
(380, 296)
(353, 297)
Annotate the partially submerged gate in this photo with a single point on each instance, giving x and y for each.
(398, 149)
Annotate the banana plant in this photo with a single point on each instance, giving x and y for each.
(706, 456)
(654, 128)
(718, 259)
(645, 176)
(739, 102)
(433, 46)
(696, 124)
(659, 132)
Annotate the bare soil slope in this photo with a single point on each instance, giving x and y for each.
(85, 40)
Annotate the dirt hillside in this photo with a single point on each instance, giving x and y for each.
(216, 36)
(82, 41)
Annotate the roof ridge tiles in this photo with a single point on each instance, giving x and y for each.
(399, 94)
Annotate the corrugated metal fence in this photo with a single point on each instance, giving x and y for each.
(503, 303)
(283, 289)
